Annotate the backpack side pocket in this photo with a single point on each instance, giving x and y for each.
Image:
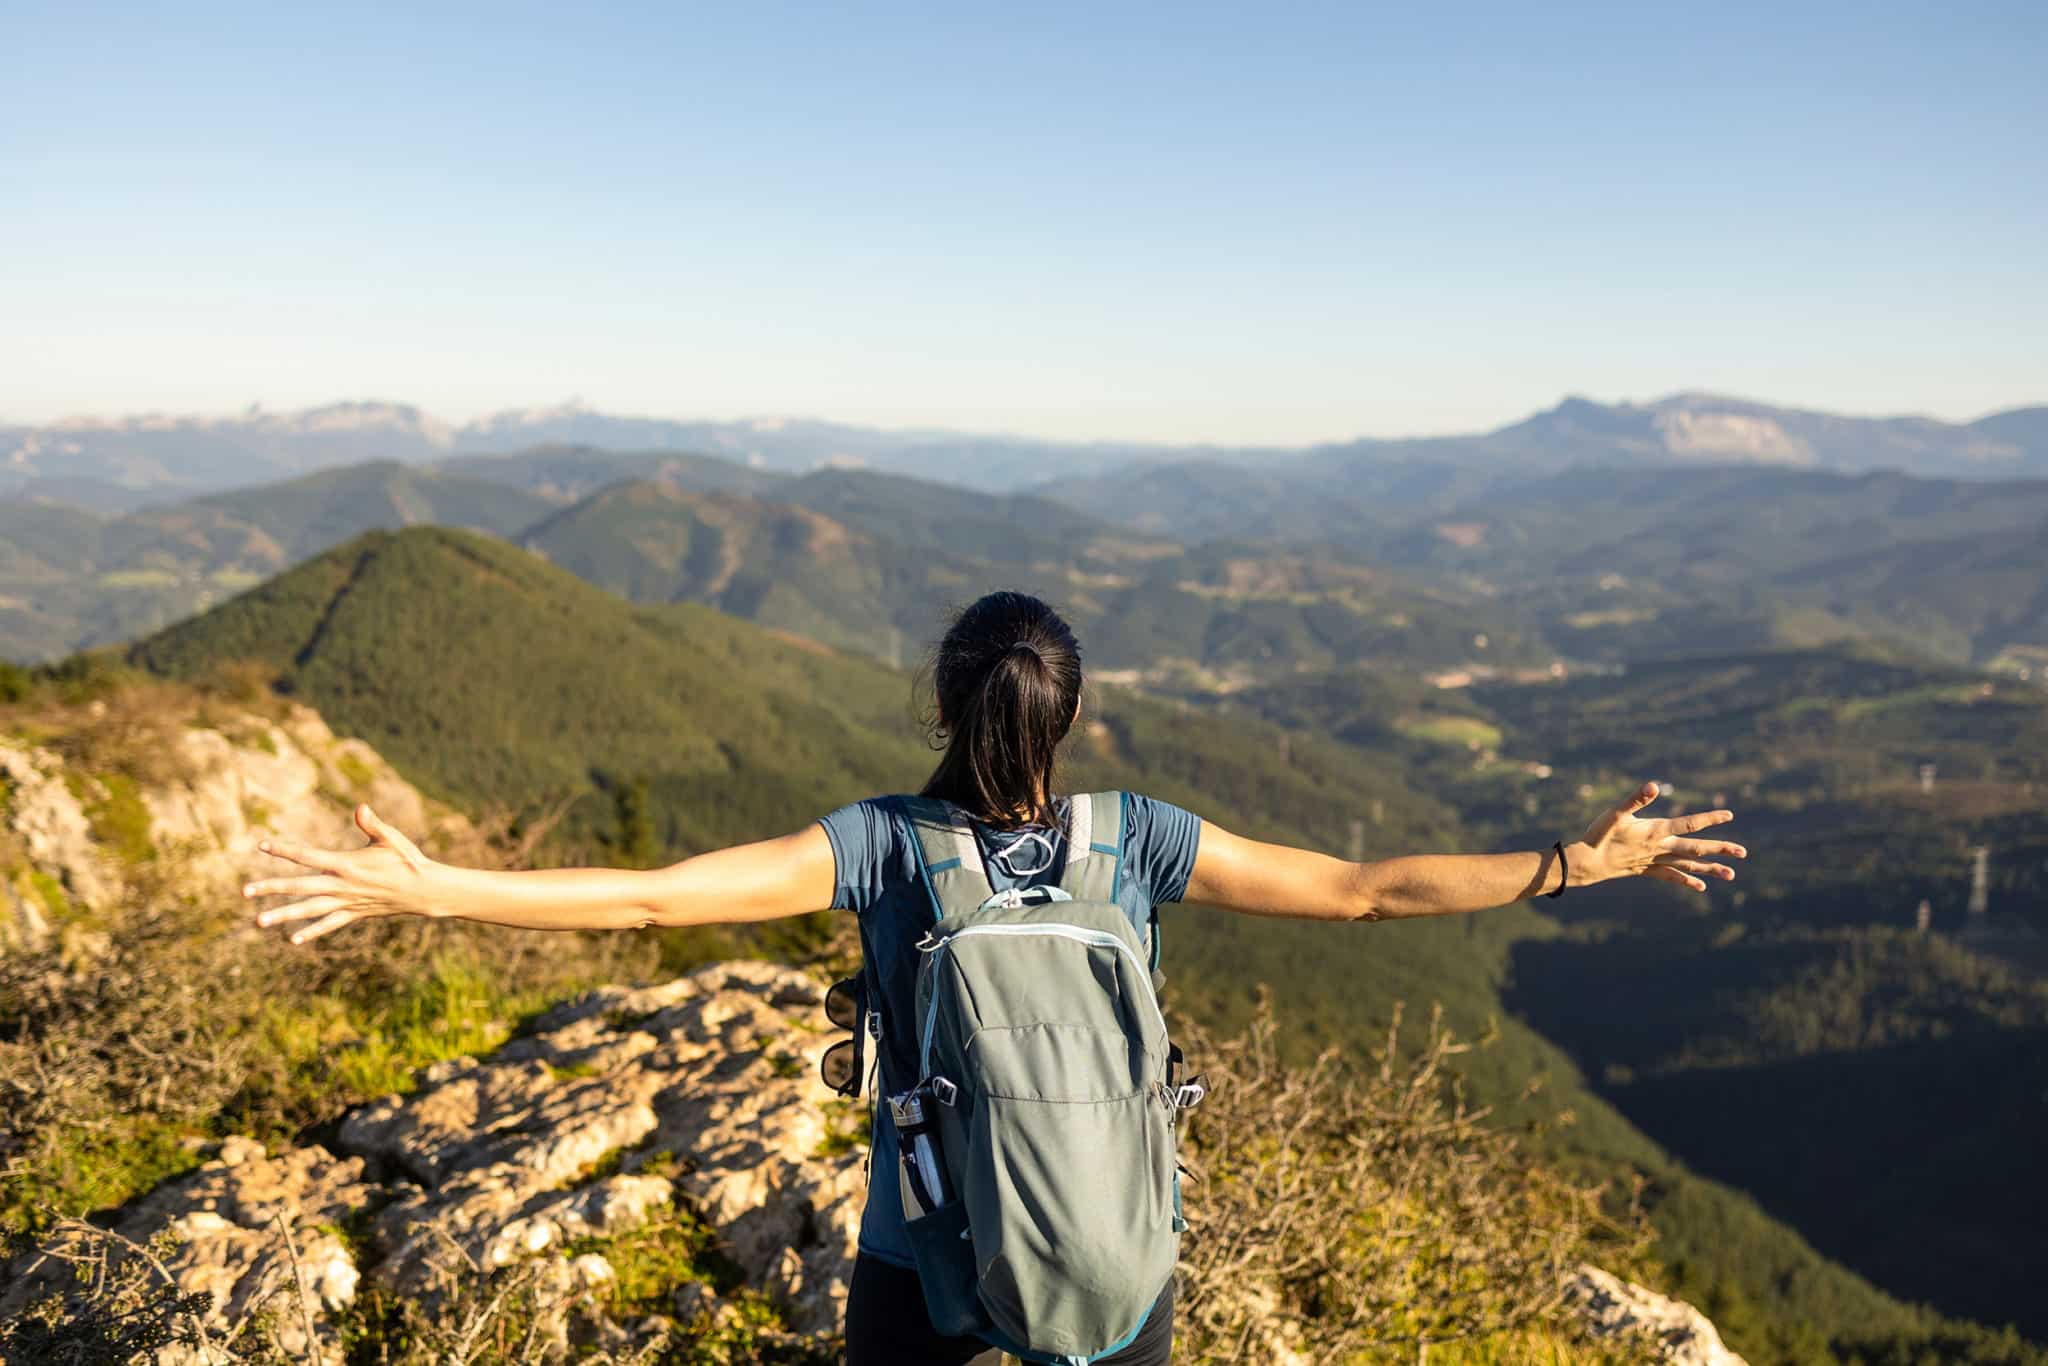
(945, 1267)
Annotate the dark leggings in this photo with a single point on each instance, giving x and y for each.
(886, 1325)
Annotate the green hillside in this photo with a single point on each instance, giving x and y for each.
(266, 528)
(1771, 1040)
(1637, 562)
(1007, 529)
(567, 474)
(493, 677)
(775, 563)
(69, 580)
(869, 561)
(1950, 568)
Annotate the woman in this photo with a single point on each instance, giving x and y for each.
(1008, 684)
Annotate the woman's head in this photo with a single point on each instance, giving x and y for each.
(1007, 679)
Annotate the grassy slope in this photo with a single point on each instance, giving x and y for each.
(513, 682)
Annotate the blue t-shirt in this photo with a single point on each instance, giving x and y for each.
(878, 880)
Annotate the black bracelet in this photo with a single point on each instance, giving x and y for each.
(1564, 866)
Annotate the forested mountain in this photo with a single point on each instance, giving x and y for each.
(857, 559)
(70, 579)
(706, 729)
(776, 563)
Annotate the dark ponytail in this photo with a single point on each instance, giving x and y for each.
(1006, 680)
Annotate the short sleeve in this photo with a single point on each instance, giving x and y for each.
(863, 839)
(1159, 847)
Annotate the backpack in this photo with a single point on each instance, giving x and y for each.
(1041, 1193)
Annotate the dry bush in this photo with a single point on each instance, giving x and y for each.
(1368, 1212)
(96, 1043)
(131, 729)
(127, 1306)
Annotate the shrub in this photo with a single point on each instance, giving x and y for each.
(1367, 1211)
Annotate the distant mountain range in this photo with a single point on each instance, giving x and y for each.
(1273, 570)
(115, 465)
(857, 559)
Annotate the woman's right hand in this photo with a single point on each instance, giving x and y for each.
(390, 876)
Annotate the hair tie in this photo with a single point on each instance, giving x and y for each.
(1030, 648)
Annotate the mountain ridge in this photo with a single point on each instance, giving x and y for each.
(195, 453)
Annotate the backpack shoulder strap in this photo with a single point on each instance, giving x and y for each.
(1095, 858)
(1095, 846)
(948, 856)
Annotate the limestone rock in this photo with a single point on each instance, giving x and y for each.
(244, 779)
(231, 1218)
(1684, 1336)
(515, 1158)
(254, 777)
(711, 1069)
(42, 812)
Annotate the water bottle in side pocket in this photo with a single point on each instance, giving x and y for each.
(925, 1187)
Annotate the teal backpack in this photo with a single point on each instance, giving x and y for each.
(1039, 1181)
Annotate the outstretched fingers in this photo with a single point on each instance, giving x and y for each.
(1685, 848)
(326, 926)
(1698, 820)
(301, 910)
(1697, 867)
(1665, 872)
(297, 853)
(310, 885)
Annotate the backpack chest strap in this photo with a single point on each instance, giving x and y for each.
(950, 855)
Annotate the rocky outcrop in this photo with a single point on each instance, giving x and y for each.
(291, 777)
(240, 779)
(696, 1099)
(55, 838)
(1680, 1333)
(699, 1095)
(250, 1230)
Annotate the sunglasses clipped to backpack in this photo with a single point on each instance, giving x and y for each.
(845, 1063)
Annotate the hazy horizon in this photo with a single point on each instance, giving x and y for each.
(770, 421)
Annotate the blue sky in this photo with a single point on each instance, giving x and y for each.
(1188, 222)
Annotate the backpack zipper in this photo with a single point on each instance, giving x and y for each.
(1101, 939)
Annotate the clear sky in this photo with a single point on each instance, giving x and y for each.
(1178, 221)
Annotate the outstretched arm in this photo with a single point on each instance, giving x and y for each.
(390, 876)
(1244, 875)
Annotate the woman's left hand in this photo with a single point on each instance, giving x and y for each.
(388, 877)
(1622, 844)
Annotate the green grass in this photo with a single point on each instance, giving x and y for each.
(1464, 731)
(455, 1008)
(97, 1168)
(120, 820)
(357, 774)
(846, 1128)
(49, 891)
